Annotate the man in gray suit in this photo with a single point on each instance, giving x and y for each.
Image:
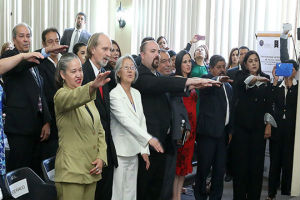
(75, 35)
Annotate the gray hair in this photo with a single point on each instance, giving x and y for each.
(119, 65)
(93, 43)
(14, 31)
(62, 65)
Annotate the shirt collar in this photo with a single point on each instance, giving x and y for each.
(58, 58)
(283, 83)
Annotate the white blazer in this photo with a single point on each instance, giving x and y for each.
(128, 125)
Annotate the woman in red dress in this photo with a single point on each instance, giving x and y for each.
(185, 153)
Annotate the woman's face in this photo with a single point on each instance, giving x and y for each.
(115, 53)
(235, 58)
(163, 43)
(73, 76)
(200, 52)
(186, 65)
(252, 64)
(127, 71)
(82, 54)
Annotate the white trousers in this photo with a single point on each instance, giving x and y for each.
(125, 178)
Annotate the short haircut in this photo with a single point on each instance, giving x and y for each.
(214, 60)
(14, 31)
(77, 47)
(243, 47)
(48, 30)
(92, 43)
(4, 47)
(172, 53)
(82, 14)
(145, 39)
(119, 65)
(178, 61)
(161, 37)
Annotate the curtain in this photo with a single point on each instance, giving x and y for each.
(225, 23)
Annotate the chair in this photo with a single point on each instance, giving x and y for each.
(25, 184)
(48, 169)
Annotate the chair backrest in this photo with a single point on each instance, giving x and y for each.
(48, 169)
(21, 181)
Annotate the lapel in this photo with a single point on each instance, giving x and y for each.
(126, 99)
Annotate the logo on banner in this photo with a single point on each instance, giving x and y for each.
(261, 43)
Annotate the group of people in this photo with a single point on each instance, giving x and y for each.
(125, 127)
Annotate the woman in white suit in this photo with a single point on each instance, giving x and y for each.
(128, 129)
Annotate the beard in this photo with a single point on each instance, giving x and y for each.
(155, 62)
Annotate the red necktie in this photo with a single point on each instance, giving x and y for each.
(101, 91)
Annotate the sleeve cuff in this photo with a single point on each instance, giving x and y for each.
(43, 52)
(268, 118)
(248, 80)
(284, 36)
(145, 150)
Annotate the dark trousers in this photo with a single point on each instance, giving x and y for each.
(248, 153)
(104, 186)
(25, 151)
(281, 157)
(211, 154)
(170, 171)
(149, 183)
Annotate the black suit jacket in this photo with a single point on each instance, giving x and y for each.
(47, 71)
(284, 107)
(22, 96)
(232, 72)
(103, 106)
(67, 35)
(155, 102)
(212, 110)
(252, 103)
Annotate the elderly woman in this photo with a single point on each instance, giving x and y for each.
(82, 149)
(129, 131)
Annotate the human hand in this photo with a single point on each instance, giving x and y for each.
(98, 167)
(56, 49)
(223, 79)
(156, 145)
(268, 131)
(262, 79)
(45, 133)
(33, 57)
(100, 80)
(146, 159)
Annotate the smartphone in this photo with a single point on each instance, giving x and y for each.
(200, 37)
(284, 69)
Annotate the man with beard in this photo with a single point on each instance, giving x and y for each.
(213, 130)
(157, 111)
(75, 35)
(98, 55)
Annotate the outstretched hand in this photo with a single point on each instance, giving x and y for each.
(33, 57)
(224, 79)
(101, 79)
(156, 145)
(56, 49)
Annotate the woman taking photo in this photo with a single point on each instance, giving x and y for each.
(252, 125)
(82, 148)
(128, 129)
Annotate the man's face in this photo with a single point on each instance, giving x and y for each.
(150, 56)
(102, 52)
(164, 66)
(243, 52)
(23, 39)
(218, 69)
(52, 39)
(80, 21)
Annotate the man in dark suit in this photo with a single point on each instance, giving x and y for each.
(158, 115)
(98, 53)
(27, 115)
(213, 129)
(243, 50)
(72, 36)
(47, 68)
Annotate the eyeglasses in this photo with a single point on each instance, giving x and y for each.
(129, 67)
